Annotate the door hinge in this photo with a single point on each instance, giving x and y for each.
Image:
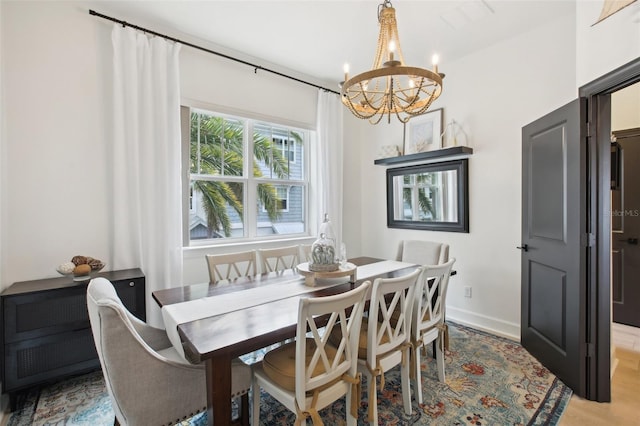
(588, 129)
(588, 239)
(590, 350)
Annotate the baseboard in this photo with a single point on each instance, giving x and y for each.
(492, 325)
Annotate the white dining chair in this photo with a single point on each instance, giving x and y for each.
(305, 252)
(148, 382)
(423, 252)
(229, 266)
(311, 373)
(279, 259)
(427, 323)
(388, 337)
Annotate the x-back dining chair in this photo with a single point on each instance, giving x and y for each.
(311, 373)
(388, 338)
(229, 266)
(147, 380)
(278, 259)
(428, 319)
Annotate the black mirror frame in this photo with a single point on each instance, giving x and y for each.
(461, 225)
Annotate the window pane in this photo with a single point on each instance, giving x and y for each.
(280, 209)
(216, 145)
(216, 210)
(278, 152)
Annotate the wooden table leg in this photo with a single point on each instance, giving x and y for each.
(219, 389)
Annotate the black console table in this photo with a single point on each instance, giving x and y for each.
(46, 335)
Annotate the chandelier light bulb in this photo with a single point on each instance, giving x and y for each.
(346, 71)
(434, 60)
(392, 48)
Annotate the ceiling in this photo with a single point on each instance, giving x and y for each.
(316, 37)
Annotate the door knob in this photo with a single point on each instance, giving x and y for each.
(632, 241)
(524, 247)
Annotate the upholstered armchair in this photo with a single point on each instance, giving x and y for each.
(147, 381)
(423, 252)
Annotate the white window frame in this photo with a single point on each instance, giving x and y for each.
(251, 182)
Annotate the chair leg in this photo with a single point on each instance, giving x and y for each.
(255, 390)
(406, 388)
(244, 409)
(417, 381)
(351, 421)
(440, 359)
(372, 385)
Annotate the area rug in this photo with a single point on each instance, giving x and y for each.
(489, 381)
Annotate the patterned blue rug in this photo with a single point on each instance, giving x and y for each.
(490, 381)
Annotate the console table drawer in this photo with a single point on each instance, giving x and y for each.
(36, 360)
(35, 315)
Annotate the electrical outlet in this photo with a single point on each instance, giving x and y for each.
(467, 292)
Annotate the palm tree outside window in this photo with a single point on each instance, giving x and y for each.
(234, 195)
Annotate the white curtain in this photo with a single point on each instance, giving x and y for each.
(329, 158)
(147, 227)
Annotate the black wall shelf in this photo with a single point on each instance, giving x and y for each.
(429, 156)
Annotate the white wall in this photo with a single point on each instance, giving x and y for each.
(54, 185)
(56, 74)
(625, 108)
(492, 94)
(4, 401)
(607, 45)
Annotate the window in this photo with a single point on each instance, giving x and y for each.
(233, 195)
(287, 146)
(282, 199)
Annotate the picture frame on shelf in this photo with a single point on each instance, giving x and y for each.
(423, 133)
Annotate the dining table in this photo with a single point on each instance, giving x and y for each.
(215, 323)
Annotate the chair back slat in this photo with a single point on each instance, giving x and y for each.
(305, 252)
(430, 302)
(387, 331)
(327, 361)
(230, 266)
(279, 259)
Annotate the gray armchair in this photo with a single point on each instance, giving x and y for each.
(148, 382)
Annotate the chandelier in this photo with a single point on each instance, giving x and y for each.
(390, 87)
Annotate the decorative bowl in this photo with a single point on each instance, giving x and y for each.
(81, 274)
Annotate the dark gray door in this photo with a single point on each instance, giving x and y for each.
(625, 229)
(553, 257)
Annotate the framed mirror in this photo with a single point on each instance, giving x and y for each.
(432, 197)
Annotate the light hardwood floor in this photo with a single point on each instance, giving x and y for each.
(625, 392)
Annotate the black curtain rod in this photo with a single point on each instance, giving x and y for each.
(204, 49)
